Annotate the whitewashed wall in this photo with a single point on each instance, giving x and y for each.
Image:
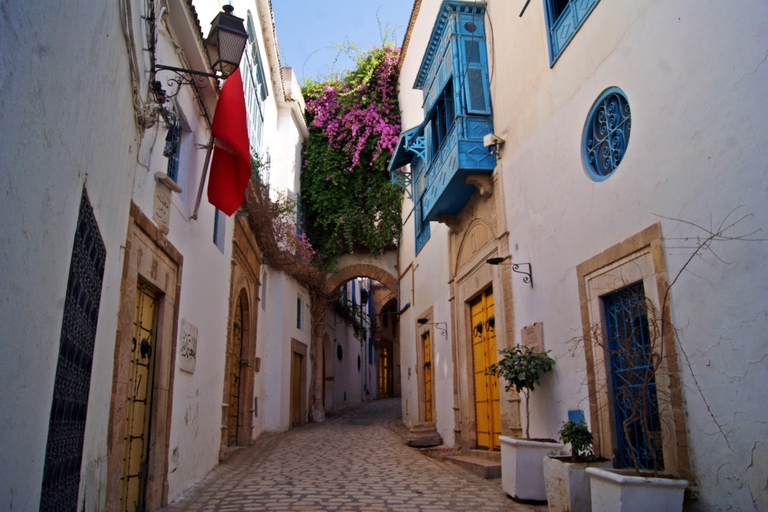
(425, 283)
(695, 79)
(63, 127)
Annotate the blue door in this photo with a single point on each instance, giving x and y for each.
(636, 407)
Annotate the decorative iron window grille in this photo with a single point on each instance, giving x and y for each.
(173, 148)
(606, 134)
(564, 19)
(633, 381)
(72, 384)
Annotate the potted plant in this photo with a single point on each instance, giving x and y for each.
(637, 354)
(568, 488)
(522, 475)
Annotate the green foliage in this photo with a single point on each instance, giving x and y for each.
(521, 367)
(348, 201)
(580, 439)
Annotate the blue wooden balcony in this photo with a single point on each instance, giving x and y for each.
(439, 179)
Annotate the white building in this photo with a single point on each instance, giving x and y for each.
(689, 82)
(133, 300)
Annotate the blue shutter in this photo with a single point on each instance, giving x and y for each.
(473, 70)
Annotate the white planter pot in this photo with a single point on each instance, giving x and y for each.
(568, 484)
(622, 491)
(522, 473)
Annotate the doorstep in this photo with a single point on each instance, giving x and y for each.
(480, 465)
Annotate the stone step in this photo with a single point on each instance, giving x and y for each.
(481, 466)
(485, 454)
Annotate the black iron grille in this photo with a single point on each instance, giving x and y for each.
(66, 428)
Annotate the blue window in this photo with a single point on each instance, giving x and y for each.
(298, 313)
(219, 227)
(254, 86)
(564, 18)
(606, 134)
(448, 145)
(422, 227)
(172, 149)
(632, 356)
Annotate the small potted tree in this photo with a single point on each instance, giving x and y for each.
(566, 479)
(522, 476)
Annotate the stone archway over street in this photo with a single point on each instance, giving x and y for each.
(383, 269)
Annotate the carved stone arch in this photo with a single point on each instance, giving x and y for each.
(389, 297)
(360, 270)
(478, 238)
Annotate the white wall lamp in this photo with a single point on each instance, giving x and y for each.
(425, 321)
(528, 276)
(494, 142)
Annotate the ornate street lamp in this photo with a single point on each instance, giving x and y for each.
(226, 42)
(224, 48)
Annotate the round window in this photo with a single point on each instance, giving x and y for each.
(606, 134)
(339, 352)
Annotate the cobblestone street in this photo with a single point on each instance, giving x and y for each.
(354, 461)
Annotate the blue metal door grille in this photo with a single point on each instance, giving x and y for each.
(72, 384)
(634, 386)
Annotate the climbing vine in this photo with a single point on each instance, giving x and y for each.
(348, 202)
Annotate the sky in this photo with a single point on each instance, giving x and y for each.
(309, 30)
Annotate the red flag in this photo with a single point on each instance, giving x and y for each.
(231, 164)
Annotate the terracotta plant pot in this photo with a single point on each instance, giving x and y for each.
(623, 491)
(568, 484)
(522, 473)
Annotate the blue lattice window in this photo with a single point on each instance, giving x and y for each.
(633, 381)
(564, 18)
(422, 227)
(606, 134)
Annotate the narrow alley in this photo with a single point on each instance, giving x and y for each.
(354, 461)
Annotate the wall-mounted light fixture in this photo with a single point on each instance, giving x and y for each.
(224, 48)
(425, 321)
(528, 276)
(494, 142)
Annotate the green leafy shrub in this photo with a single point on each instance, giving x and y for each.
(521, 367)
(580, 439)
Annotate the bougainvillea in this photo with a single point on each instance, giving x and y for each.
(348, 201)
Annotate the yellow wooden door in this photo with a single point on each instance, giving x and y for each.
(427, 378)
(384, 372)
(235, 357)
(139, 402)
(296, 364)
(484, 352)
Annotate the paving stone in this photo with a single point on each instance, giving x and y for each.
(356, 461)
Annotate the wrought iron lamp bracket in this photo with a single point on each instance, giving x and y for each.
(443, 330)
(184, 77)
(528, 276)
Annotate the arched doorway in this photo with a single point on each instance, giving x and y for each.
(237, 406)
(371, 268)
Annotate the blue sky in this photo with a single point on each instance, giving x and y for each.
(307, 30)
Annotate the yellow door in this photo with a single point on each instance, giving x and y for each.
(487, 410)
(383, 373)
(233, 411)
(427, 378)
(139, 403)
(296, 365)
